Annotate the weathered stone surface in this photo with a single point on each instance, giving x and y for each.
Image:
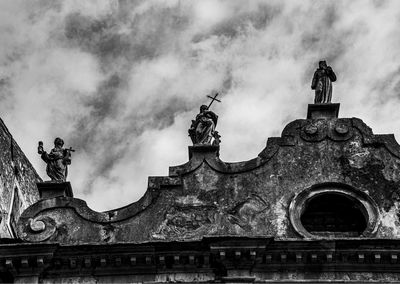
(208, 197)
(18, 181)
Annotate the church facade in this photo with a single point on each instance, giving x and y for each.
(319, 204)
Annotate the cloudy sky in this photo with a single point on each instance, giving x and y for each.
(120, 81)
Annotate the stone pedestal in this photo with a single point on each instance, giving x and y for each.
(51, 189)
(203, 151)
(316, 111)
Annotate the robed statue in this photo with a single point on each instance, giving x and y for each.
(202, 131)
(322, 83)
(57, 160)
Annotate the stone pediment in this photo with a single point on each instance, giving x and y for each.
(323, 158)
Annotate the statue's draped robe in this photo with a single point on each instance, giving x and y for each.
(205, 127)
(57, 163)
(322, 84)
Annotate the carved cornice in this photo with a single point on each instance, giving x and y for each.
(212, 256)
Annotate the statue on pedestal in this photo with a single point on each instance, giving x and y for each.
(322, 83)
(57, 160)
(202, 131)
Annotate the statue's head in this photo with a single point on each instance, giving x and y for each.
(58, 142)
(203, 108)
(322, 64)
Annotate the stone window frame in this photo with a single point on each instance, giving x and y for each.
(299, 202)
(15, 190)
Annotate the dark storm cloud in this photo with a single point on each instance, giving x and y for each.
(231, 27)
(100, 107)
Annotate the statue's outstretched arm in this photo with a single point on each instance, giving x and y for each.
(45, 156)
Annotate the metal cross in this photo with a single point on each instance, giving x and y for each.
(213, 99)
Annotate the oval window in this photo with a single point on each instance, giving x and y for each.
(334, 214)
(333, 211)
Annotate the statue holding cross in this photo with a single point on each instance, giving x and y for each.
(202, 131)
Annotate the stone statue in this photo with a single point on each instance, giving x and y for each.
(57, 160)
(202, 131)
(322, 83)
